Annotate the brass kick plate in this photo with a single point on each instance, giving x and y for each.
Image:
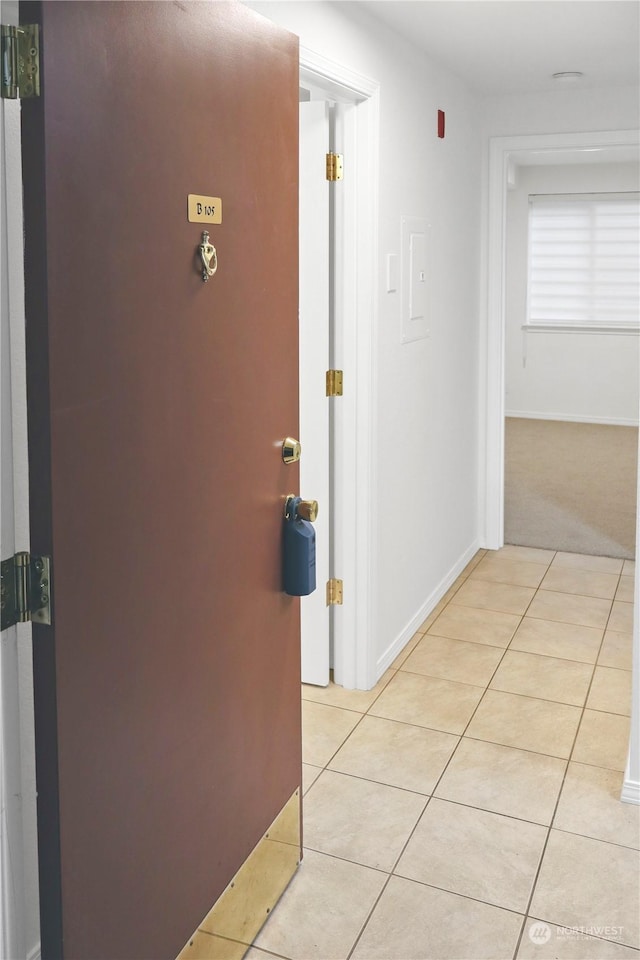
(235, 919)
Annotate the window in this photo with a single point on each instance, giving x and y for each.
(584, 262)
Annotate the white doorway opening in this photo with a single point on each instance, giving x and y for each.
(504, 152)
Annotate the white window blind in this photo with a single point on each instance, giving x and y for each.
(584, 261)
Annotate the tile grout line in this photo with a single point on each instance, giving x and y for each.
(324, 770)
(486, 687)
(566, 760)
(459, 737)
(467, 736)
(533, 653)
(426, 806)
(366, 712)
(342, 742)
(527, 696)
(462, 735)
(428, 798)
(557, 803)
(586, 836)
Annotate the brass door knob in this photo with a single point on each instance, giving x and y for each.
(291, 450)
(308, 510)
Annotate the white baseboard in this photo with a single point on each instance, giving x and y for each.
(571, 418)
(421, 615)
(630, 791)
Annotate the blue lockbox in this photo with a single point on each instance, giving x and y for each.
(299, 553)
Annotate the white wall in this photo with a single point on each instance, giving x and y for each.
(426, 443)
(574, 375)
(565, 110)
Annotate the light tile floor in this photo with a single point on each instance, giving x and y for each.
(467, 807)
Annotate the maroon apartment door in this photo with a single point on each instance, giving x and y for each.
(167, 689)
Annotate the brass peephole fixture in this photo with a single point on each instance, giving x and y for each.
(291, 450)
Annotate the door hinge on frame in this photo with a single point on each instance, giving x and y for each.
(25, 590)
(335, 167)
(334, 592)
(334, 383)
(20, 49)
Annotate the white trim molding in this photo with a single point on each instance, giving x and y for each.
(345, 84)
(571, 418)
(630, 791)
(586, 328)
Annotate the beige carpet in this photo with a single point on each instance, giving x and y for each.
(571, 486)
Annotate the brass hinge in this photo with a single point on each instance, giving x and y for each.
(335, 165)
(20, 47)
(334, 592)
(25, 590)
(334, 383)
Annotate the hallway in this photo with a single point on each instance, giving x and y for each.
(475, 790)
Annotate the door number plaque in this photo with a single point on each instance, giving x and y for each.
(204, 209)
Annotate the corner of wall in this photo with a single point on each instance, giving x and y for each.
(401, 640)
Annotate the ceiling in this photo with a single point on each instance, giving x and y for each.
(513, 46)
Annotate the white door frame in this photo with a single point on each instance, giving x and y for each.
(503, 151)
(356, 254)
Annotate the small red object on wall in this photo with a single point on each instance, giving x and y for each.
(441, 124)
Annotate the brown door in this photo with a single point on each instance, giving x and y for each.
(167, 689)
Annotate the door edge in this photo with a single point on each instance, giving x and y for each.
(355, 474)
